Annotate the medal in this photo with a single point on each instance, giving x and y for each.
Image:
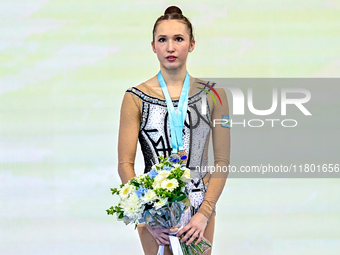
(174, 158)
(176, 120)
(183, 155)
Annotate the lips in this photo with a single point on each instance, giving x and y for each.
(171, 58)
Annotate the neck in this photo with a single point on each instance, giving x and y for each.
(174, 78)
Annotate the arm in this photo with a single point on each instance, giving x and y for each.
(130, 115)
(221, 146)
(128, 136)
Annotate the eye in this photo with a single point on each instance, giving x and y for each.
(161, 39)
(179, 39)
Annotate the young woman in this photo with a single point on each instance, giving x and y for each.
(145, 117)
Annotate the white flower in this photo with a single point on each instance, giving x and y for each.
(133, 212)
(162, 175)
(131, 202)
(139, 177)
(126, 191)
(186, 175)
(176, 165)
(160, 203)
(132, 207)
(157, 182)
(149, 196)
(170, 185)
(134, 200)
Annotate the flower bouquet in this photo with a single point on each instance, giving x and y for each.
(159, 198)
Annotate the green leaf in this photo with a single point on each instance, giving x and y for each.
(111, 211)
(189, 250)
(195, 247)
(115, 190)
(135, 183)
(205, 243)
(199, 247)
(180, 198)
(184, 249)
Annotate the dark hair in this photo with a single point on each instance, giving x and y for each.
(174, 13)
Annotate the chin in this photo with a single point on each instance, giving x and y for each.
(172, 66)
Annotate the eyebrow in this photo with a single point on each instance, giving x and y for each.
(174, 35)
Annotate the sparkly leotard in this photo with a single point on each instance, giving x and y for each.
(144, 117)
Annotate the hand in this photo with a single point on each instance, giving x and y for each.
(161, 234)
(195, 228)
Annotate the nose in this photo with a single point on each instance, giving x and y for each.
(171, 46)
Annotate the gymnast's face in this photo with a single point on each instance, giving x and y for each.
(172, 44)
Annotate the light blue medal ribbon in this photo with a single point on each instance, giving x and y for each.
(176, 120)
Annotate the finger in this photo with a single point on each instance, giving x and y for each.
(163, 241)
(183, 230)
(169, 230)
(199, 238)
(162, 231)
(187, 235)
(158, 242)
(193, 237)
(172, 230)
(165, 236)
(196, 233)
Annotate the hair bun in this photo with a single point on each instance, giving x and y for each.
(172, 9)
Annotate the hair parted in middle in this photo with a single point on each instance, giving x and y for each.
(174, 13)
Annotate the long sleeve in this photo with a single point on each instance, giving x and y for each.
(128, 136)
(221, 147)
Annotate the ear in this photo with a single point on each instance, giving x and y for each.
(192, 45)
(153, 46)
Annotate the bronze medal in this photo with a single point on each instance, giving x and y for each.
(183, 156)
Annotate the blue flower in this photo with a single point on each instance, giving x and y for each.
(168, 168)
(153, 173)
(141, 191)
